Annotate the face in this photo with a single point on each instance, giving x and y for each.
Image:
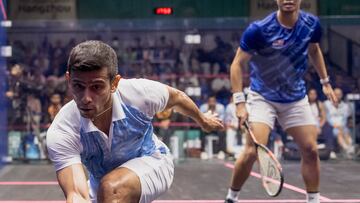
(212, 102)
(55, 99)
(338, 93)
(312, 95)
(92, 91)
(288, 5)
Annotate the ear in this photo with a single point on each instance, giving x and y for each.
(115, 83)
(67, 76)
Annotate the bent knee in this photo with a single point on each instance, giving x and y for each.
(110, 190)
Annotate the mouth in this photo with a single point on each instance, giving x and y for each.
(85, 110)
(288, 4)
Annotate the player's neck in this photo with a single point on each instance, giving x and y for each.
(103, 119)
(287, 19)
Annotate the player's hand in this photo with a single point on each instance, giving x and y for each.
(241, 113)
(329, 93)
(211, 122)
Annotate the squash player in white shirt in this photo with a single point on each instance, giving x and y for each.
(107, 128)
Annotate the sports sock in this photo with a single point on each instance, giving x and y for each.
(313, 197)
(232, 194)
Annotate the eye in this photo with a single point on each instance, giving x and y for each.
(77, 86)
(97, 87)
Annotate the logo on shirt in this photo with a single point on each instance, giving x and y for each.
(278, 43)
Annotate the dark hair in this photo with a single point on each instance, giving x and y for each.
(93, 55)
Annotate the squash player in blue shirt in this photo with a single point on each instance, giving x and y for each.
(277, 49)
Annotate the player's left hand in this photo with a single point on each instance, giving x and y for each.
(211, 122)
(329, 92)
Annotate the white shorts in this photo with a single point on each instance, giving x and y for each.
(156, 174)
(289, 115)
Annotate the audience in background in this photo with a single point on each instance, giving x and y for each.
(200, 70)
(337, 116)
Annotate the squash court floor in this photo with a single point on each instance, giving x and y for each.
(197, 181)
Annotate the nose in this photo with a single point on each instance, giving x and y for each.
(86, 98)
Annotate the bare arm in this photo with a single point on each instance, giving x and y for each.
(317, 60)
(72, 181)
(181, 103)
(239, 62)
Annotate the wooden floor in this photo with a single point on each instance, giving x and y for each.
(195, 181)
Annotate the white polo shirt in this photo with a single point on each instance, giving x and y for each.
(73, 139)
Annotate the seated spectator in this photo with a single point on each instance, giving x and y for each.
(163, 130)
(317, 109)
(212, 106)
(337, 117)
(55, 106)
(232, 130)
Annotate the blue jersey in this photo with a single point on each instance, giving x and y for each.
(279, 56)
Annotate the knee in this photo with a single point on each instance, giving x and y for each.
(250, 153)
(110, 191)
(310, 152)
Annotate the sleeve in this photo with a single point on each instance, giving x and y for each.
(63, 151)
(315, 38)
(252, 39)
(156, 97)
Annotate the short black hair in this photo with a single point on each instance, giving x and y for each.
(93, 55)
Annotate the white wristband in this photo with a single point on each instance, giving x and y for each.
(325, 80)
(238, 97)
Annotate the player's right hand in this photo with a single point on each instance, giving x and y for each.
(241, 113)
(211, 122)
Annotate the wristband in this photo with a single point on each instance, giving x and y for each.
(325, 80)
(238, 97)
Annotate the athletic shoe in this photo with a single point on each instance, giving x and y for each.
(229, 201)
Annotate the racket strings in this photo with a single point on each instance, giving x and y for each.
(271, 174)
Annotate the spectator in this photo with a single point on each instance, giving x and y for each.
(337, 116)
(213, 107)
(232, 130)
(317, 109)
(55, 105)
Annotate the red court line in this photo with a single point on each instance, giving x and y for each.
(28, 183)
(288, 186)
(254, 201)
(207, 201)
(3, 11)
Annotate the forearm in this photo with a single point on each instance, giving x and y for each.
(182, 104)
(72, 181)
(317, 60)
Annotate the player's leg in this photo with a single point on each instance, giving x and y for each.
(306, 138)
(244, 163)
(297, 120)
(262, 117)
(120, 185)
(141, 180)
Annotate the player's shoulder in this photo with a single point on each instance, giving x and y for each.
(139, 91)
(66, 122)
(308, 18)
(134, 83)
(265, 22)
(135, 87)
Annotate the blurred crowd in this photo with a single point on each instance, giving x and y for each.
(37, 89)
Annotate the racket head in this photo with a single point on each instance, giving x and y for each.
(270, 169)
